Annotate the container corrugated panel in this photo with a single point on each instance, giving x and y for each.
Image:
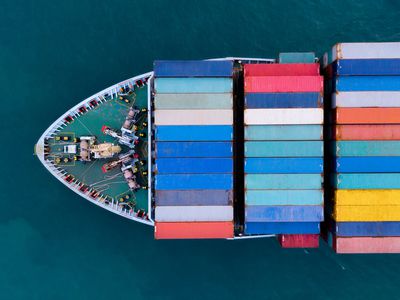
(283, 100)
(284, 132)
(367, 197)
(367, 132)
(368, 115)
(193, 85)
(296, 57)
(366, 213)
(194, 165)
(281, 227)
(367, 181)
(349, 229)
(369, 164)
(299, 240)
(193, 230)
(284, 197)
(281, 69)
(367, 245)
(194, 149)
(368, 83)
(193, 101)
(194, 182)
(277, 116)
(370, 67)
(366, 99)
(365, 51)
(192, 68)
(307, 213)
(367, 148)
(284, 165)
(284, 181)
(193, 197)
(277, 84)
(194, 133)
(193, 117)
(284, 149)
(193, 213)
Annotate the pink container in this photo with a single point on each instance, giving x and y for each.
(283, 84)
(367, 245)
(299, 240)
(281, 70)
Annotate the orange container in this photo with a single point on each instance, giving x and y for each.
(193, 230)
(367, 245)
(379, 115)
(367, 132)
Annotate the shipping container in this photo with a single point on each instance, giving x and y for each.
(367, 245)
(290, 165)
(194, 133)
(296, 57)
(193, 68)
(366, 99)
(368, 164)
(306, 213)
(284, 181)
(193, 230)
(193, 213)
(284, 132)
(368, 83)
(193, 101)
(193, 117)
(368, 115)
(365, 51)
(367, 181)
(348, 229)
(284, 149)
(193, 149)
(367, 148)
(285, 197)
(194, 165)
(283, 100)
(193, 85)
(366, 213)
(193, 197)
(298, 69)
(193, 182)
(367, 197)
(367, 132)
(277, 84)
(281, 228)
(277, 116)
(343, 67)
(299, 240)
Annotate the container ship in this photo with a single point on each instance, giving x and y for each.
(295, 148)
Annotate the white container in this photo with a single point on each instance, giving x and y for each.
(193, 117)
(365, 50)
(193, 213)
(284, 116)
(366, 99)
(194, 101)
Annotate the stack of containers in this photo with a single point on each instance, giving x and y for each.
(284, 152)
(193, 117)
(366, 147)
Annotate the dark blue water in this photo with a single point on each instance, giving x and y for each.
(55, 245)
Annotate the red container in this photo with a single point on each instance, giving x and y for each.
(367, 132)
(379, 115)
(299, 240)
(281, 70)
(193, 230)
(367, 245)
(283, 84)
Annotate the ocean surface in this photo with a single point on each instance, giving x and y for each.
(56, 245)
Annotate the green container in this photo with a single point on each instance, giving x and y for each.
(283, 132)
(284, 197)
(284, 149)
(193, 101)
(283, 181)
(296, 57)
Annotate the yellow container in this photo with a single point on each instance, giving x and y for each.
(367, 197)
(367, 213)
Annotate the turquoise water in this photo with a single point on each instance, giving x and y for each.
(55, 245)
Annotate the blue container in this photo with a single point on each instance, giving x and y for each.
(284, 149)
(368, 83)
(284, 197)
(194, 182)
(281, 228)
(192, 68)
(367, 148)
(194, 165)
(193, 149)
(310, 213)
(283, 181)
(367, 181)
(366, 67)
(349, 229)
(370, 164)
(283, 132)
(283, 100)
(194, 133)
(193, 197)
(284, 165)
(193, 85)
